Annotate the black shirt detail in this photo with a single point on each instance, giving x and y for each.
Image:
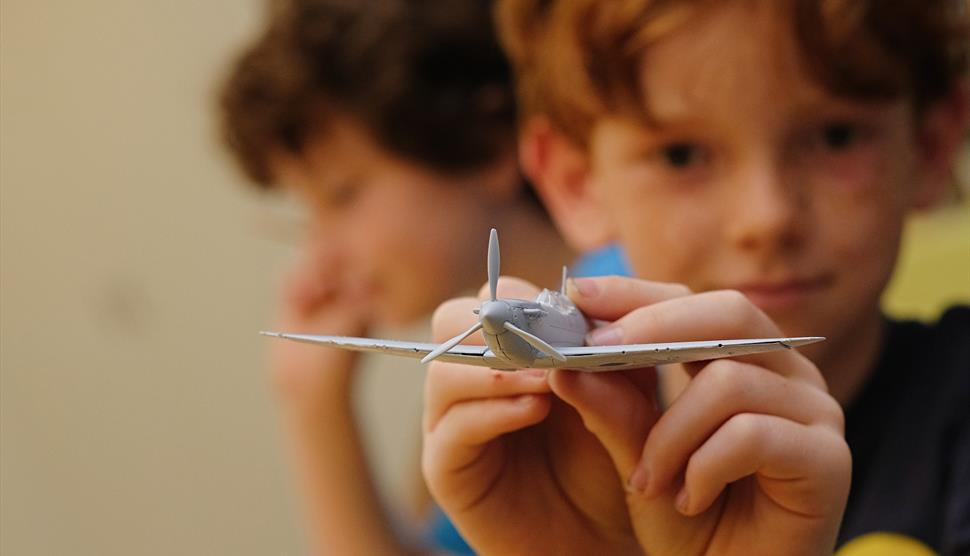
(909, 432)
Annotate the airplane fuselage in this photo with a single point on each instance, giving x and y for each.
(551, 317)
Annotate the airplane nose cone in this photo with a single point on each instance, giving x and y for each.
(493, 316)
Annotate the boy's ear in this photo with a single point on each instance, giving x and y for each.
(560, 172)
(941, 129)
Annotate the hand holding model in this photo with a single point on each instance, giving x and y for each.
(750, 452)
(757, 438)
(512, 465)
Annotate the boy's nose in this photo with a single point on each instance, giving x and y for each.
(768, 208)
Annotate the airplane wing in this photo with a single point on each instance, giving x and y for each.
(631, 356)
(580, 358)
(468, 355)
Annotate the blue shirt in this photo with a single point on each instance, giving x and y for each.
(609, 260)
(606, 261)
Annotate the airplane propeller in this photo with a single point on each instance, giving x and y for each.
(535, 342)
(491, 316)
(494, 264)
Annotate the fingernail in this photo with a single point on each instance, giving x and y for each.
(682, 500)
(605, 336)
(537, 373)
(638, 481)
(586, 287)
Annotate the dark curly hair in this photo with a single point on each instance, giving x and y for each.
(427, 79)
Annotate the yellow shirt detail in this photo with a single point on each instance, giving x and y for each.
(884, 544)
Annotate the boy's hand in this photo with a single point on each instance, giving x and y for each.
(315, 383)
(511, 465)
(749, 459)
(314, 300)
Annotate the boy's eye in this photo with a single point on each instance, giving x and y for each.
(342, 193)
(839, 136)
(681, 155)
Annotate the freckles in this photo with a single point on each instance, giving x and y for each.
(854, 178)
(863, 232)
(668, 232)
(686, 250)
(874, 194)
(873, 176)
(664, 245)
(675, 233)
(693, 225)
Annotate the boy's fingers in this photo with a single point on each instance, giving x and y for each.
(610, 297)
(510, 287)
(458, 439)
(302, 295)
(448, 384)
(314, 278)
(476, 422)
(618, 408)
(714, 315)
(801, 468)
(723, 389)
(454, 317)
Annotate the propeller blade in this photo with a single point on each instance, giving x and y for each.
(535, 342)
(451, 343)
(494, 263)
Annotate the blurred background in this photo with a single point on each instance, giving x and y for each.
(135, 412)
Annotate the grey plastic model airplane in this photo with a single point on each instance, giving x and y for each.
(546, 333)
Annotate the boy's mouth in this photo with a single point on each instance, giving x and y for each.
(784, 294)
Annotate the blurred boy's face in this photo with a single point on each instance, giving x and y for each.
(756, 179)
(395, 235)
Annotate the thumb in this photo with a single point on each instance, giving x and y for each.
(619, 408)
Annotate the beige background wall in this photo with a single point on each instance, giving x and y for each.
(135, 416)
(135, 413)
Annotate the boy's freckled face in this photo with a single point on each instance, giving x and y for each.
(396, 234)
(752, 177)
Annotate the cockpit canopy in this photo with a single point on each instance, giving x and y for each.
(557, 301)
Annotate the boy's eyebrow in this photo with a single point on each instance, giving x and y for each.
(834, 107)
(685, 113)
(687, 120)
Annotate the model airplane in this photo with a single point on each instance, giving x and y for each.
(546, 333)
